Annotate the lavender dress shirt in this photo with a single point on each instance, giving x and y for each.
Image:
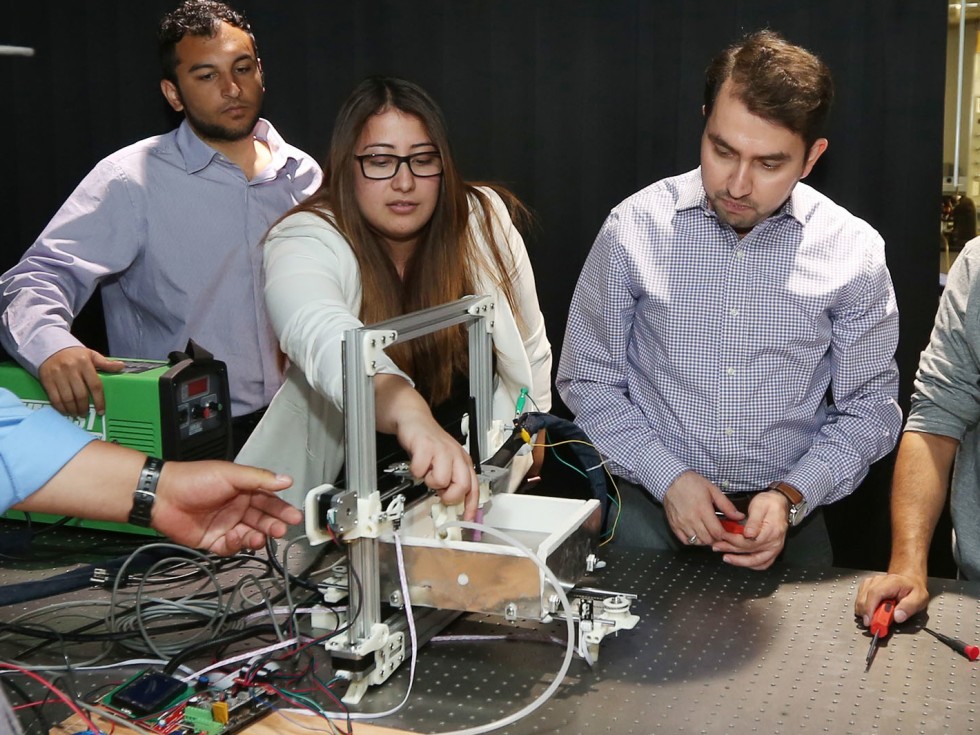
(171, 229)
(689, 348)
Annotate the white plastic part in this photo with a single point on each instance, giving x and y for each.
(389, 652)
(316, 534)
(610, 615)
(368, 518)
(373, 344)
(443, 514)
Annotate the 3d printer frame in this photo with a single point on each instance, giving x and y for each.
(373, 648)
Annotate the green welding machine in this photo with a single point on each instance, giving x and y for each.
(178, 409)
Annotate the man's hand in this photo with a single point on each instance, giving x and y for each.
(764, 535)
(69, 377)
(690, 504)
(908, 590)
(220, 506)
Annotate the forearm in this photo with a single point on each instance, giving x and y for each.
(97, 483)
(312, 292)
(919, 487)
(34, 327)
(844, 449)
(398, 403)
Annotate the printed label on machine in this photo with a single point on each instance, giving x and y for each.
(92, 423)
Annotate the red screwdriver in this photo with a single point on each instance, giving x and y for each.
(883, 617)
(971, 652)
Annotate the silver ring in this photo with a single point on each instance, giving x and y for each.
(693, 540)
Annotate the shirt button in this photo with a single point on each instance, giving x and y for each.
(730, 371)
(740, 254)
(733, 312)
(725, 484)
(729, 431)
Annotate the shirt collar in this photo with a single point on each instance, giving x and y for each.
(691, 194)
(198, 154)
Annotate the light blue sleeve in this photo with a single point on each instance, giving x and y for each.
(34, 445)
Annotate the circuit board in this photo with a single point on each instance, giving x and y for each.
(166, 705)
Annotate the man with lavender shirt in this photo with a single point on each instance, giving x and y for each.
(170, 228)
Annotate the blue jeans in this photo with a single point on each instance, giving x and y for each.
(643, 525)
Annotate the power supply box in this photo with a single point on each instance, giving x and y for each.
(179, 410)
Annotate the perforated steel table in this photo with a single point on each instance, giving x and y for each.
(717, 650)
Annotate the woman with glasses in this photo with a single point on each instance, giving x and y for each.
(394, 229)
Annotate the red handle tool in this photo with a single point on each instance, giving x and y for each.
(965, 649)
(732, 526)
(883, 616)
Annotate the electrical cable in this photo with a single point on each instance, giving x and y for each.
(239, 657)
(191, 651)
(268, 603)
(204, 611)
(286, 578)
(213, 603)
(56, 691)
(7, 627)
(38, 712)
(14, 594)
(302, 581)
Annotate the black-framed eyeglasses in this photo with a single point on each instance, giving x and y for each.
(386, 165)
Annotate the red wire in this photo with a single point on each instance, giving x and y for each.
(30, 704)
(60, 694)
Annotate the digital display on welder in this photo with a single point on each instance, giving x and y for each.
(196, 387)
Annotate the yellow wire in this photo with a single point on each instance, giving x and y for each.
(605, 467)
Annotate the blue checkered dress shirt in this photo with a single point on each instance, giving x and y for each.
(751, 360)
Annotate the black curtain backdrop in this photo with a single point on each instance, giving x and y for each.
(573, 104)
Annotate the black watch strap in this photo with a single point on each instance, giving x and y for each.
(146, 492)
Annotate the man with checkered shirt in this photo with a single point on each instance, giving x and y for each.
(733, 330)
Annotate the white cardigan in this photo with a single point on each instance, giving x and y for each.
(313, 293)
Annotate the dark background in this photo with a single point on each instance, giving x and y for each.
(574, 104)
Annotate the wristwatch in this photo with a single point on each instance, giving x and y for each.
(797, 504)
(146, 492)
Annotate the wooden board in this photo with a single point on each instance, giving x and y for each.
(273, 724)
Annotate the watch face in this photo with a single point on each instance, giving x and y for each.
(796, 513)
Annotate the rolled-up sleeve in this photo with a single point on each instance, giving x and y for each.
(946, 400)
(34, 446)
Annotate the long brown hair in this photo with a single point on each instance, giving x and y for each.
(447, 258)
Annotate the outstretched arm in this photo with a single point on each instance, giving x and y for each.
(213, 505)
(919, 488)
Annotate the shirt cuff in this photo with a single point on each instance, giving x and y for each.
(813, 479)
(44, 343)
(35, 451)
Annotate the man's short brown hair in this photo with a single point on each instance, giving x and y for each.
(775, 80)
